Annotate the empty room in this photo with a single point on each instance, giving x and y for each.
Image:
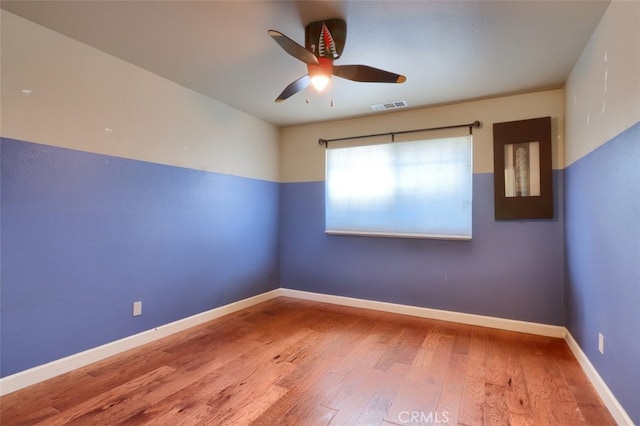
(320, 212)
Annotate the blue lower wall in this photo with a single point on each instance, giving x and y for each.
(86, 235)
(510, 269)
(602, 288)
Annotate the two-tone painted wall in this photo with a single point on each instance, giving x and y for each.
(581, 269)
(510, 269)
(602, 202)
(120, 186)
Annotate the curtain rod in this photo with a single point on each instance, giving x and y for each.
(475, 124)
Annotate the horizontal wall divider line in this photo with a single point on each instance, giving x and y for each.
(55, 368)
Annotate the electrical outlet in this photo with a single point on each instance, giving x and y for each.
(601, 343)
(137, 308)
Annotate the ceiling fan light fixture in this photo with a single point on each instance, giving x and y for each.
(320, 82)
(321, 73)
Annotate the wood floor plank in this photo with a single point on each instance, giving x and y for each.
(551, 399)
(443, 348)
(473, 393)
(596, 415)
(451, 394)
(257, 390)
(516, 388)
(424, 408)
(380, 402)
(296, 362)
(365, 354)
(404, 348)
(411, 387)
(354, 370)
(298, 405)
(109, 406)
(463, 340)
(182, 414)
(191, 397)
(582, 390)
(495, 410)
(30, 417)
(372, 397)
(320, 416)
(256, 406)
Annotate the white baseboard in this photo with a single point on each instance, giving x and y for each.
(610, 401)
(617, 411)
(63, 365)
(462, 318)
(46, 371)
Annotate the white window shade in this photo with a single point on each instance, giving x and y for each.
(417, 189)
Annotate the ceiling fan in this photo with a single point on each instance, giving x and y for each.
(324, 42)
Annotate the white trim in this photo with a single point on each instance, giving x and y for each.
(610, 401)
(43, 372)
(398, 235)
(46, 371)
(471, 319)
(615, 408)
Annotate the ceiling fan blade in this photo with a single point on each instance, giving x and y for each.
(295, 87)
(293, 48)
(367, 74)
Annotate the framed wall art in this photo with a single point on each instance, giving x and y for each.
(523, 187)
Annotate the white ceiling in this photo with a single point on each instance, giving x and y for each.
(450, 51)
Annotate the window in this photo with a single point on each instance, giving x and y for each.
(419, 189)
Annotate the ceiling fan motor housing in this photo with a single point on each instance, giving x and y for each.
(326, 39)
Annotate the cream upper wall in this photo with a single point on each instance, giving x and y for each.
(603, 90)
(78, 92)
(302, 158)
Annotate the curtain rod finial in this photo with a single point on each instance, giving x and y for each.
(322, 142)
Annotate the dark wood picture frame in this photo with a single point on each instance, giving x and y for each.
(523, 187)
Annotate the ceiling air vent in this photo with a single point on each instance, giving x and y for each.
(389, 105)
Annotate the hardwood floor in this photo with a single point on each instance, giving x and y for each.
(295, 362)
